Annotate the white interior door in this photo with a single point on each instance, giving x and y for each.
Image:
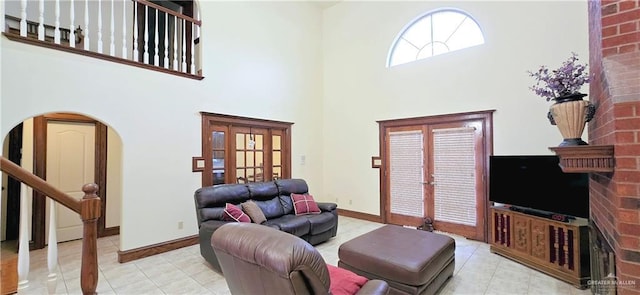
(70, 165)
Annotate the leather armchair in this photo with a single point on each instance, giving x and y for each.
(257, 259)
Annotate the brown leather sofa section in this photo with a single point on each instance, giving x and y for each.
(274, 199)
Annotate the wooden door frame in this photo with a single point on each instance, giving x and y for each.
(40, 168)
(486, 117)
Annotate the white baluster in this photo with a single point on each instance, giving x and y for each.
(124, 28)
(23, 18)
(52, 249)
(193, 49)
(56, 32)
(112, 47)
(99, 26)
(23, 248)
(41, 20)
(197, 26)
(135, 30)
(156, 58)
(166, 40)
(198, 37)
(72, 16)
(86, 25)
(184, 46)
(175, 43)
(145, 55)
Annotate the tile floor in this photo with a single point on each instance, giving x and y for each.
(184, 271)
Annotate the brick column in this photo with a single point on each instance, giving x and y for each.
(614, 43)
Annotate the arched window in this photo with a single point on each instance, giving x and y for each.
(434, 33)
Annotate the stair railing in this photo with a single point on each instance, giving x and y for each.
(88, 208)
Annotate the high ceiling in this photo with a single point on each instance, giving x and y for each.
(324, 4)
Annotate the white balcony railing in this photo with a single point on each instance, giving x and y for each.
(159, 35)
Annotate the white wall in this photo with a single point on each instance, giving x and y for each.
(260, 60)
(114, 179)
(264, 60)
(3, 179)
(359, 89)
(288, 61)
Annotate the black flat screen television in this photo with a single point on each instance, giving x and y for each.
(537, 182)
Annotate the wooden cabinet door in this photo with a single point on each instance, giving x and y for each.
(539, 239)
(521, 239)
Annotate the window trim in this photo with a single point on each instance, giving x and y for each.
(420, 17)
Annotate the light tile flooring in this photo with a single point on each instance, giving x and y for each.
(184, 271)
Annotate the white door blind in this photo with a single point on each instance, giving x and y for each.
(406, 158)
(454, 175)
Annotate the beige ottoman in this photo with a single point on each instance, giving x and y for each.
(410, 261)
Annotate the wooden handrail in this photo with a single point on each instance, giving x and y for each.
(169, 11)
(88, 208)
(38, 184)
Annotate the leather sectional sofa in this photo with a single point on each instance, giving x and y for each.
(274, 199)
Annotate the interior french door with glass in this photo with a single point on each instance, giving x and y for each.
(252, 161)
(243, 150)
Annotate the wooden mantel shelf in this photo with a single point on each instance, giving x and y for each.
(585, 158)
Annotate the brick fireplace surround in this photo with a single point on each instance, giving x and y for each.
(614, 45)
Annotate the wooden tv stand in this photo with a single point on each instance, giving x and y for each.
(559, 249)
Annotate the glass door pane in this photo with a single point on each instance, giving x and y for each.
(250, 151)
(276, 157)
(218, 156)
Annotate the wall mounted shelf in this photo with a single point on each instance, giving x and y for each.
(585, 158)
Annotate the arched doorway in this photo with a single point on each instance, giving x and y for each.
(50, 146)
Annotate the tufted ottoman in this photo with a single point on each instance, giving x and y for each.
(411, 261)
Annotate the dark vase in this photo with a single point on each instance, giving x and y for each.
(570, 113)
(569, 97)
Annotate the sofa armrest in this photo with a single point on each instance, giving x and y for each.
(327, 207)
(374, 287)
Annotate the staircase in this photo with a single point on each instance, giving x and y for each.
(88, 208)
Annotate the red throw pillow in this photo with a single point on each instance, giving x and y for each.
(304, 204)
(232, 212)
(344, 282)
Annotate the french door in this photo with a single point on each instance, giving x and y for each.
(242, 150)
(434, 168)
(409, 197)
(251, 159)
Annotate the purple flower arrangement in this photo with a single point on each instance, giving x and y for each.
(566, 80)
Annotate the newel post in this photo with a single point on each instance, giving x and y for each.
(89, 212)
